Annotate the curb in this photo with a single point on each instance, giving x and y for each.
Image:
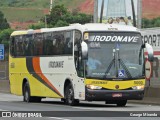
(146, 100)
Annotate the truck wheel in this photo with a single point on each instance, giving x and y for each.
(69, 98)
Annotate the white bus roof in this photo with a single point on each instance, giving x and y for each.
(94, 27)
(83, 28)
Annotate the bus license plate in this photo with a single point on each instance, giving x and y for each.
(117, 95)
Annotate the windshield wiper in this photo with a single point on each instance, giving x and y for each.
(115, 65)
(111, 63)
(125, 68)
(109, 67)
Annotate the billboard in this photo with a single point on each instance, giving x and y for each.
(117, 11)
(152, 36)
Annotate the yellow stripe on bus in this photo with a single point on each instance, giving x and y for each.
(112, 84)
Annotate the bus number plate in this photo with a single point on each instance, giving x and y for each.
(117, 95)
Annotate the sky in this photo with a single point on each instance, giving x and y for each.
(128, 7)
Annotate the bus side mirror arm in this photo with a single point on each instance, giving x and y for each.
(149, 51)
(84, 49)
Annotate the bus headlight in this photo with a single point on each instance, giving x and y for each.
(138, 87)
(93, 87)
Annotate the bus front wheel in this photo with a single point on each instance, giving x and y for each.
(69, 96)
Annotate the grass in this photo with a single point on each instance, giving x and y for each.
(31, 10)
(22, 15)
(39, 3)
(25, 3)
(72, 4)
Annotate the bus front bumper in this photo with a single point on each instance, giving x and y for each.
(104, 95)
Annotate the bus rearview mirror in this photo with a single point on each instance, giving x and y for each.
(84, 48)
(150, 51)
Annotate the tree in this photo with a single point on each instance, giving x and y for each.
(37, 26)
(149, 23)
(5, 37)
(57, 14)
(3, 22)
(60, 16)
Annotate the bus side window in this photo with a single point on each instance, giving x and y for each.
(54, 42)
(68, 44)
(38, 44)
(12, 46)
(61, 43)
(77, 53)
(58, 43)
(47, 44)
(19, 46)
(28, 45)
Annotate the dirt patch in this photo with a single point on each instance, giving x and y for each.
(150, 8)
(87, 7)
(21, 25)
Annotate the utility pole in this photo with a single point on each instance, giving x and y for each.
(51, 3)
(133, 12)
(95, 11)
(139, 15)
(45, 19)
(101, 15)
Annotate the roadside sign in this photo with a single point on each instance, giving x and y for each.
(148, 70)
(1, 51)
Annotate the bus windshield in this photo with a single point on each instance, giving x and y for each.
(114, 55)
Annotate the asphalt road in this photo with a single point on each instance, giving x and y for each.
(54, 109)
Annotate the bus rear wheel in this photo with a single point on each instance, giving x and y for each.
(69, 96)
(26, 94)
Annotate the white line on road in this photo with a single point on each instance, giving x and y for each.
(3, 110)
(58, 118)
(88, 108)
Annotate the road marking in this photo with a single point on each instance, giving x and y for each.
(58, 118)
(3, 110)
(99, 109)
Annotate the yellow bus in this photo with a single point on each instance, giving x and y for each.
(92, 62)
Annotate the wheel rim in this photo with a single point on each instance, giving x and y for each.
(70, 96)
(26, 95)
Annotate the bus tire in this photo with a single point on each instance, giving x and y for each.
(121, 103)
(37, 99)
(26, 93)
(69, 96)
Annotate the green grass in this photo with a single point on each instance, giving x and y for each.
(71, 4)
(25, 3)
(22, 15)
(39, 3)
(31, 10)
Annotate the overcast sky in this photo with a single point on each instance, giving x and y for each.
(128, 7)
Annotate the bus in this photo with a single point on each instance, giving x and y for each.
(90, 62)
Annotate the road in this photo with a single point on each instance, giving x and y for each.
(54, 109)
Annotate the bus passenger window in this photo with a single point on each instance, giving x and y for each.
(77, 53)
(47, 44)
(12, 46)
(19, 46)
(38, 44)
(58, 43)
(68, 44)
